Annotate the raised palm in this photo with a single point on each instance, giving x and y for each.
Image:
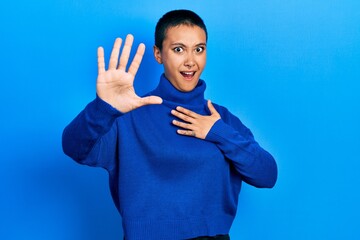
(116, 85)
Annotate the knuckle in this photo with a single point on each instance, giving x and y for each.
(178, 123)
(185, 125)
(187, 118)
(186, 111)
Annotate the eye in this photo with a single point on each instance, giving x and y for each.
(178, 49)
(199, 49)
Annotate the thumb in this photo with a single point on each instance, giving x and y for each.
(212, 108)
(151, 100)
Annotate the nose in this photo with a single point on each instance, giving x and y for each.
(189, 61)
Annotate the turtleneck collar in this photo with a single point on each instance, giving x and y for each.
(173, 96)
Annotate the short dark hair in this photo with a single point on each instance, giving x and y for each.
(175, 18)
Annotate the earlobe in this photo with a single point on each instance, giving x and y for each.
(157, 54)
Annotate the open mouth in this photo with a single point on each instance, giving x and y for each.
(188, 75)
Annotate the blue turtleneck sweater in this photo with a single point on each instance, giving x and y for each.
(166, 185)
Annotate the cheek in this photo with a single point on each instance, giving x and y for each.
(173, 63)
(170, 68)
(202, 62)
(201, 58)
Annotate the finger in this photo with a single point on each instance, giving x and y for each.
(124, 58)
(187, 112)
(211, 108)
(100, 60)
(137, 59)
(150, 100)
(114, 57)
(186, 133)
(182, 116)
(183, 125)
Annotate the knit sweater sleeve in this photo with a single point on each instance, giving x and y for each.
(90, 138)
(255, 165)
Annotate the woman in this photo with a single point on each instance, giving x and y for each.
(176, 161)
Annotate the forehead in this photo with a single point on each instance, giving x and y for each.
(186, 34)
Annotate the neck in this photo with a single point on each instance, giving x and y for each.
(171, 95)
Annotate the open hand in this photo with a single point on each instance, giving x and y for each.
(115, 85)
(194, 124)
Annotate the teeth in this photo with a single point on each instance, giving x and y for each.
(188, 73)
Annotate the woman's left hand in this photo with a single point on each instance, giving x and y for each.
(194, 124)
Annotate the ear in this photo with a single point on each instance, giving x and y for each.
(157, 54)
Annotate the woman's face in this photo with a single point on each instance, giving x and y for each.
(183, 55)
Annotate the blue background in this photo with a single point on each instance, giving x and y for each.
(290, 70)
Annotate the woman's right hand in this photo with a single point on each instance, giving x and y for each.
(115, 85)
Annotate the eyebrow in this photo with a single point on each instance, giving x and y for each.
(183, 45)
